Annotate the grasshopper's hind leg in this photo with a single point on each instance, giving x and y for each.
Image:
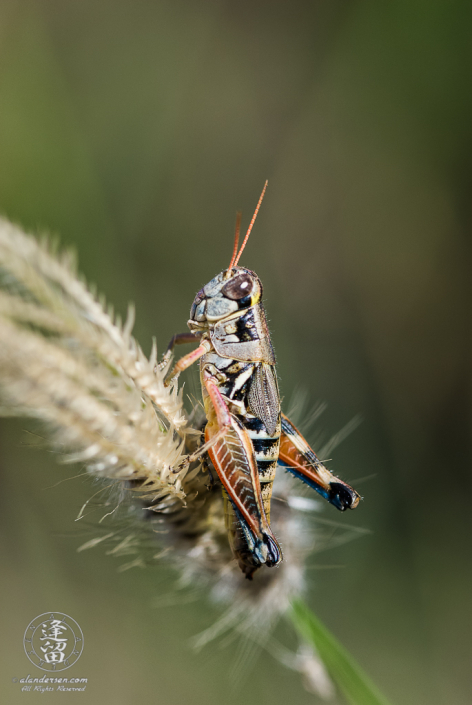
(232, 454)
(299, 459)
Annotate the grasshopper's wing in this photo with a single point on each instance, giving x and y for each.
(300, 460)
(264, 398)
(234, 461)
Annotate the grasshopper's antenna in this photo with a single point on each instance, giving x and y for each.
(233, 264)
(236, 239)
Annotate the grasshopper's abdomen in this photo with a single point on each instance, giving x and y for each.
(266, 451)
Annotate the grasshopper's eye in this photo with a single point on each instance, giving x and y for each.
(238, 287)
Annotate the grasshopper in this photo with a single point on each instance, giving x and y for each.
(246, 434)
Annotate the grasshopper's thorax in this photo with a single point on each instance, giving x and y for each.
(229, 312)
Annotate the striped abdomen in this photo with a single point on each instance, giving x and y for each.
(266, 450)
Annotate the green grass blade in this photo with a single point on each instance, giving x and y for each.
(343, 669)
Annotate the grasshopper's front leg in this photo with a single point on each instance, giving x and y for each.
(300, 460)
(178, 339)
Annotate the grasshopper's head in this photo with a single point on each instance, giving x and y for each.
(230, 291)
(233, 289)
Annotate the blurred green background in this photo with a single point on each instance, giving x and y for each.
(134, 129)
